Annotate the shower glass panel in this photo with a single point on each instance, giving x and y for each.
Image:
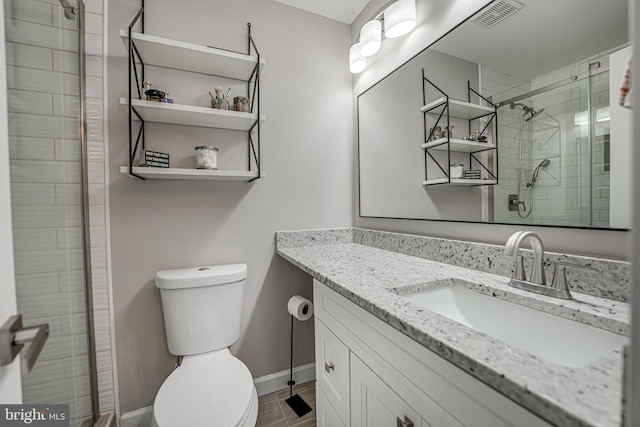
(43, 54)
(557, 143)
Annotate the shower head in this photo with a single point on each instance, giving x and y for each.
(534, 176)
(527, 110)
(534, 114)
(544, 163)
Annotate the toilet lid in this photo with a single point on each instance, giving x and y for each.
(214, 391)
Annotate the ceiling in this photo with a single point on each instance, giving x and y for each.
(543, 36)
(340, 10)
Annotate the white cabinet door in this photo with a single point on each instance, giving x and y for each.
(332, 369)
(326, 416)
(10, 381)
(374, 403)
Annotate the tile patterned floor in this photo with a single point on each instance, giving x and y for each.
(273, 411)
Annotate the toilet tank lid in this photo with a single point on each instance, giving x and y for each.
(197, 277)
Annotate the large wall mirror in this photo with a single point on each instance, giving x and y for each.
(512, 117)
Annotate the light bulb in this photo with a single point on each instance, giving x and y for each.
(399, 18)
(370, 38)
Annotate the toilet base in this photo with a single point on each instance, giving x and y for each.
(250, 418)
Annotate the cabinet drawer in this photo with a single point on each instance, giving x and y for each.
(332, 369)
(326, 416)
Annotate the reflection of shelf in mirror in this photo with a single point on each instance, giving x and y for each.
(459, 145)
(160, 112)
(460, 182)
(193, 174)
(178, 55)
(460, 109)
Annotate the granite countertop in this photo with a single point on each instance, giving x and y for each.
(375, 279)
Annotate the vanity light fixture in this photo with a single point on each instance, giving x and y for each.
(371, 38)
(357, 62)
(399, 18)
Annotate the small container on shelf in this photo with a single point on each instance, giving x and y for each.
(456, 171)
(241, 104)
(207, 157)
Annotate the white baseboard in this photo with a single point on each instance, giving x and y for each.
(278, 381)
(138, 418)
(264, 385)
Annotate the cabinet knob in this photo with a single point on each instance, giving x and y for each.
(328, 367)
(406, 423)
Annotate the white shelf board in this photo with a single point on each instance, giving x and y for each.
(458, 145)
(460, 109)
(189, 115)
(460, 182)
(193, 174)
(168, 53)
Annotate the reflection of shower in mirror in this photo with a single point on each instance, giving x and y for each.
(534, 176)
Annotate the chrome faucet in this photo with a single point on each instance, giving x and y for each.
(537, 282)
(513, 247)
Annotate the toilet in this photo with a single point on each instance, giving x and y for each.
(202, 307)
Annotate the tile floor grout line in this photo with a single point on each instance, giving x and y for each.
(284, 417)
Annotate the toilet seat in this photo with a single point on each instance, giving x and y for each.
(212, 389)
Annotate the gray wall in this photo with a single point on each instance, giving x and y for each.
(306, 150)
(436, 18)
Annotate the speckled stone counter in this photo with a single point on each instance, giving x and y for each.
(375, 279)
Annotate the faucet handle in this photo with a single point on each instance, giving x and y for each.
(560, 276)
(519, 273)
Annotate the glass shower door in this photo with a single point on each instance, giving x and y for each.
(43, 79)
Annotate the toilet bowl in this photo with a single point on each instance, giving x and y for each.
(215, 389)
(202, 311)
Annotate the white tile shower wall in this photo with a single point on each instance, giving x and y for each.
(45, 189)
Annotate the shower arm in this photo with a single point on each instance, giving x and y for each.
(70, 12)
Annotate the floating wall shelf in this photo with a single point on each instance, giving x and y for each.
(458, 145)
(460, 182)
(178, 55)
(460, 109)
(193, 174)
(160, 112)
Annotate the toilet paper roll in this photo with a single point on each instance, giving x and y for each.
(300, 308)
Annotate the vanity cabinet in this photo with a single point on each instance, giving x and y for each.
(326, 416)
(151, 51)
(388, 376)
(445, 108)
(374, 403)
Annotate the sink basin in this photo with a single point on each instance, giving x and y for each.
(555, 339)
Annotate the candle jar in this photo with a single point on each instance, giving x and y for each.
(456, 171)
(207, 157)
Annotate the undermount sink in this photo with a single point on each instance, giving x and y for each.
(552, 338)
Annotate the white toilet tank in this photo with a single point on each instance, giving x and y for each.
(202, 307)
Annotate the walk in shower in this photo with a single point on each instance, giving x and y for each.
(555, 153)
(47, 137)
